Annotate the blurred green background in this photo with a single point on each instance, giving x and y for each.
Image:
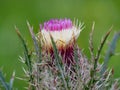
(105, 13)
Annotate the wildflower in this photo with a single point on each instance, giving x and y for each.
(64, 33)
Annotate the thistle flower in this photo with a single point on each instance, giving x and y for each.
(76, 72)
(64, 33)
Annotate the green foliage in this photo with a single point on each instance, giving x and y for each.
(110, 52)
(37, 47)
(27, 56)
(6, 85)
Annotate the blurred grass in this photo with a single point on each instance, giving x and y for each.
(16, 12)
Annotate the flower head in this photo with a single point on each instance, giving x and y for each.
(64, 33)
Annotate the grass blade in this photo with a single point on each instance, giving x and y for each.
(93, 71)
(2, 80)
(27, 55)
(11, 81)
(91, 48)
(100, 48)
(37, 47)
(110, 52)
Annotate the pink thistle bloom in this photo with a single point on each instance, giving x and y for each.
(64, 33)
